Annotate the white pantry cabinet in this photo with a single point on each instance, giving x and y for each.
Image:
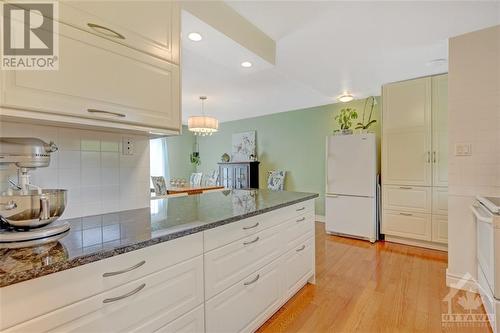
(415, 160)
(102, 83)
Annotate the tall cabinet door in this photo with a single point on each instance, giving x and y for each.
(440, 130)
(406, 146)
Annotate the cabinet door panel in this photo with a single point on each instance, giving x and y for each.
(440, 229)
(409, 225)
(191, 322)
(298, 266)
(156, 30)
(406, 150)
(440, 130)
(121, 85)
(407, 198)
(440, 200)
(247, 304)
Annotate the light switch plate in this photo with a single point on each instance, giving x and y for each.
(128, 146)
(463, 149)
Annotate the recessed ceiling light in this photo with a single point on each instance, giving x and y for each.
(437, 62)
(195, 37)
(345, 98)
(246, 64)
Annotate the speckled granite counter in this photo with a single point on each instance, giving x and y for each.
(102, 236)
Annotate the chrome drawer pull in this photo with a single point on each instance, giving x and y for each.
(301, 249)
(105, 31)
(251, 227)
(133, 292)
(405, 187)
(251, 242)
(125, 270)
(300, 220)
(406, 214)
(298, 210)
(116, 114)
(253, 281)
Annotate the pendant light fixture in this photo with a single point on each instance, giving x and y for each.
(203, 125)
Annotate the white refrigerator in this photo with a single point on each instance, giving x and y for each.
(352, 186)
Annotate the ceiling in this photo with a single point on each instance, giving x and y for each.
(322, 50)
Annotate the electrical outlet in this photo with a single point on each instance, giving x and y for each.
(128, 146)
(463, 149)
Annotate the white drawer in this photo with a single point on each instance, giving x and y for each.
(229, 264)
(407, 198)
(70, 286)
(405, 224)
(299, 263)
(191, 322)
(247, 304)
(230, 232)
(440, 200)
(440, 229)
(164, 296)
(297, 227)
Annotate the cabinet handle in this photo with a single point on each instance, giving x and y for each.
(300, 220)
(251, 227)
(301, 249)
(298, 210)
(116, 114)
(253, 281)
(406, 214)
(133, 292)
(434, 157)
(125, 270)
(105, 31)
(251, 242)
(428, 157)
(405, 187)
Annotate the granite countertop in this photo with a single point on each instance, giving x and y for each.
(102, 236)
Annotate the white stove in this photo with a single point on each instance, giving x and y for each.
(15, 238)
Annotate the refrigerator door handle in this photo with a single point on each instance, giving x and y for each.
(332, 196)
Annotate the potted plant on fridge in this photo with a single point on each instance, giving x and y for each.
(369, 122)
(345, 118)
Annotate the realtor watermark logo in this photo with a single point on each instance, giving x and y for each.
(464, 309)
(30, 35)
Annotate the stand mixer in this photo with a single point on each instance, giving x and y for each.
(26, 210)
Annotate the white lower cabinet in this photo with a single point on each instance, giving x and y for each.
(247, 304)
(191, 322)
(440, 229)
(299, 266)
(144, 305)
(406, 224)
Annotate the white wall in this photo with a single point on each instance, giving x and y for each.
(474, 117)
(90, 165)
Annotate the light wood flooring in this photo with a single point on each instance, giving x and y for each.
(361, 287)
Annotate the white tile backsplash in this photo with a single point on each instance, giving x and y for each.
(89, 164)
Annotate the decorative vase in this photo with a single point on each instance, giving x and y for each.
(346, 131)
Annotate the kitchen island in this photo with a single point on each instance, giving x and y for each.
(222, 261)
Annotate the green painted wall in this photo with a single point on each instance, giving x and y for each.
(179, 147)
(293, 141)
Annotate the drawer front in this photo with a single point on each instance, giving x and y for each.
(156, 31)
(407, 198)
(233, 231)
(70, 286)
(229, 264)
(299, 265)
(440, 200)
(247, 304)
(75, 89)
(299, 226)
(409, 225)
(440, 229)
(165, 295)
(485, 243)
(191, 322)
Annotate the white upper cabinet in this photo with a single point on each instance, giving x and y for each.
(149, 26)
(440, 130)
(406, 150)
(118, 69)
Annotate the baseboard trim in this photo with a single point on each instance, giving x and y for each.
(467, 282)
(320, 218)
(416, 242)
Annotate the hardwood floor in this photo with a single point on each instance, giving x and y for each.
(384, 287)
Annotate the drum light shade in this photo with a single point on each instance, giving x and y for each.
(203, 125)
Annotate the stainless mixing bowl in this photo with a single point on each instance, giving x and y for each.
(32, 210)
